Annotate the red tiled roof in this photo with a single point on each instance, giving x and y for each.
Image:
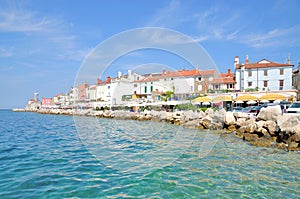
(178, 73)
(188, 73)
(224, 78)
(263, 64)
(108, 80)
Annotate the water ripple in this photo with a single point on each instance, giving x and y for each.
(43, 156)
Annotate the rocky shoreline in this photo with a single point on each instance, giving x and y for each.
(270, 128)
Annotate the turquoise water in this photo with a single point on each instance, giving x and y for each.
(48, 156)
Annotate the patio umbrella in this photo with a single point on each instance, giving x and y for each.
(264, 101)
(251, 102)
(239, 102)
(205, 103)
(202, 99)
(275, 96)
(222, 98)
(246, 97)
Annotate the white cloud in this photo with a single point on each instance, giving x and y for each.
(45, 35)
(19, 20)
(167, 16)
(276, 37)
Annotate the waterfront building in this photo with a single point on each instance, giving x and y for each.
(73, 95)
(61, 100)
(263, 75)
(46, 102)
(296, 80)
(183, 83)
(224, 82)
(112, 90)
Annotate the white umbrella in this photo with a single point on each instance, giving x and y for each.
(264, 101)
(251, 102)
(239, 102)
(205, 103)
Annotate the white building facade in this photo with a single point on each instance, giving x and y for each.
(263, 75)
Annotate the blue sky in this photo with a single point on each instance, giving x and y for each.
(43, 43)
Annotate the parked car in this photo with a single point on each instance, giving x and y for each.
(294, 108)
(237, 109)
(254, 110)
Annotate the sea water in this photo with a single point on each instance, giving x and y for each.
(53, 156)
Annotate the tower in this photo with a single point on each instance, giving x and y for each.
(36, 97)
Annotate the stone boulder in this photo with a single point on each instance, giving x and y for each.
(206, 122)
(241, 122)
(238, 115)
(229, 119)
(289, 123)
(271, 126)
(194, 124)
(269, 113)
(209, 112)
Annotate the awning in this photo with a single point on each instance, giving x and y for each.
(202, 99)
(222, 98)
(275, 96)
(246, 97)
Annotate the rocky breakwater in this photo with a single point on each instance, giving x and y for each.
(269, 129)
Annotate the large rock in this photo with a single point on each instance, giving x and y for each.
(240, 115)
(271, 127)
(209, 112)
(194, 124)
(229, 119)
(270, 113)
(241, 122)
(289, 123)
(206, 122)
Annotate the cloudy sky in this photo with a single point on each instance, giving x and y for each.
(44, 43)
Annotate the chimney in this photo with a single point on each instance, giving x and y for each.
(247, 59)
(129, 73)
(228, 72)
(236, 61)
(99, 81)
(119, 74)
(289, 59)
(163, 71)
(108, 79)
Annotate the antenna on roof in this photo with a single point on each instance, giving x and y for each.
(289, 59)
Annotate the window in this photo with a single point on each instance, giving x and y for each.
(199, 79)
(145, 89)
(281, 82)
(216, 86)
(281, 71)
(151, 88)
(171, 78)
(229, 86)
(249, 73)
(249, 84)
(135, 85)
(265, 72)
(108, 87)
(265, 83)
(199, 87)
